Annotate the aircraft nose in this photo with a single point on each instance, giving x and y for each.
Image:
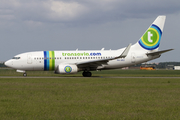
(8, 63)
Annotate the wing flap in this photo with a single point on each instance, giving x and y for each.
(93, 63)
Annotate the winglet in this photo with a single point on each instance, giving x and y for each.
(125, 52)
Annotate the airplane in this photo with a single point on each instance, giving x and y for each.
(71, 62)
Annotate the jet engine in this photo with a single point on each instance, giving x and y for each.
(66, 69)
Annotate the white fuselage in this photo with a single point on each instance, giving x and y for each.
(40, 61)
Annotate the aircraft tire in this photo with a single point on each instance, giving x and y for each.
(84, 74)
(87, 74)
(25, 74)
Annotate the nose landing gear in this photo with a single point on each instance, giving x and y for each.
(24, 74)
(22, 71)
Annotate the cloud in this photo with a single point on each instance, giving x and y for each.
(64, 11)
(7, 9)
(82, 11)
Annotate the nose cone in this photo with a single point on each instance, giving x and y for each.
(8, 63)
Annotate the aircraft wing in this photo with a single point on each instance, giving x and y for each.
(96, 63)
(159, 52)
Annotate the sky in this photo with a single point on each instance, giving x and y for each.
(37, 25)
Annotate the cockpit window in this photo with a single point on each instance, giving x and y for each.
(16, 58)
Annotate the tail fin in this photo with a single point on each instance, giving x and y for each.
(151, 38)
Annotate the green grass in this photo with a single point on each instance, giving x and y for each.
(123, 73)
(89, 98)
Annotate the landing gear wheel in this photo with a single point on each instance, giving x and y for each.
(87, 74)
(24, 74)
(84, 74)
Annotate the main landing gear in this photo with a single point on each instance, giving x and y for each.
(87, 74)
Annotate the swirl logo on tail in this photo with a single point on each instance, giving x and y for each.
(151, 39)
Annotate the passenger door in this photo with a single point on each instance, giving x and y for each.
(29, 59)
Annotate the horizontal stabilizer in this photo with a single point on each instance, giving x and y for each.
(158, 52)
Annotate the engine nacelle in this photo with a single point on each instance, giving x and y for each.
(66, 69)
